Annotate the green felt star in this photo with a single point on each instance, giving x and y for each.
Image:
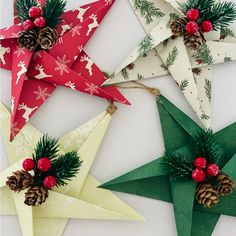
(151, 180)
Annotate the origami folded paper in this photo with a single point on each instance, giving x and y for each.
(152, 180)
(36, 75)
(157, 55)
(79, 199)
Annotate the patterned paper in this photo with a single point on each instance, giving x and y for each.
(36, 75)
(158, 55)
(79, 199)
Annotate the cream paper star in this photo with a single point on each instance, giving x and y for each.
(157, 55)
(80, 199)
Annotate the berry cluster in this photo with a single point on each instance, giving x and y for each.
(202, 169)
(43, 165)
(35, 20)
(192, 26)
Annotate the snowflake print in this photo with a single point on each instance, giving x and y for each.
(92, 88)
(14, 129)
(19, 51)
(76, 30)
(37, 55)
(41, 93)
(70, 84)
(108, 2)
(62, 65)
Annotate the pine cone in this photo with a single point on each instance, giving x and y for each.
(206, 195)
(47, 38)
(226, 184)
(19, 181)
(28, 39)
(194, 40)
(36, 195)
(178, 27)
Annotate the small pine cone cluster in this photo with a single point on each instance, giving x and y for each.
(194, 40)
(178, 27)
(31, 39)
(28, 39)
(47, 38)
(36, 195)
(20, 180)
(206, 195)
(226, 185)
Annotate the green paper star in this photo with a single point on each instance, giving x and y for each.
(152, 181)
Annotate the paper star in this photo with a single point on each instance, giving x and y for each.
(79, 199)
(157, 55)
(152, 181)
(58, 66)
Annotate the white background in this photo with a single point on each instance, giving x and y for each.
(134, 137)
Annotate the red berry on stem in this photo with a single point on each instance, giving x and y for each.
(191, 27)
(198, 175)
(28, 24)
(192, 14)
(206, 26)
(44, 164)
(212, 169)
(28, 164)
(200, 162)
(40, 22)
(49, 182)
(35, 12)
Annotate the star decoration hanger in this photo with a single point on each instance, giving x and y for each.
(153, 181)
(159, 54)
(35, 75)
(80, 199)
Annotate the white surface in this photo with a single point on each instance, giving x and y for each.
(134, 137)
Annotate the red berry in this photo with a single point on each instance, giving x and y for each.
(35, 12)
(212, 169)
(40, 22)
(198, 175)
(192, 27)
(192, 14)
(28, 164)
(44, 164)
(206, 26)
(200, 162)
(28, 24)
(49, 182)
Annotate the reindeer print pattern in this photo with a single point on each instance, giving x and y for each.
(27, 112)
(41, 74)
(89, 64)
(3, 51)
(81, 13)
(22, 71)
(92, 25)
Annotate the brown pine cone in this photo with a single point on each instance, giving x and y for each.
(47, 38)
(226, 184)
(36, 195)
(178, 27)
(206, 195)
(194, 40)
(19, 181)
(28, 39)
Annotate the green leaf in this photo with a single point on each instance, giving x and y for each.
(145, 46)
(183, 85)
(139, 77)
(148, 10)
(172, 56)
(205, 116)
(207, 88)
(22, 8)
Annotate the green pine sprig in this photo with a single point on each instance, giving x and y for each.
(65, 167)
(220, 14)
(172, 56)
(178, 164)
(205, 145)
(22, 8)
(46, 147)
(148, 10)
(52, 11)
(145, 46)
